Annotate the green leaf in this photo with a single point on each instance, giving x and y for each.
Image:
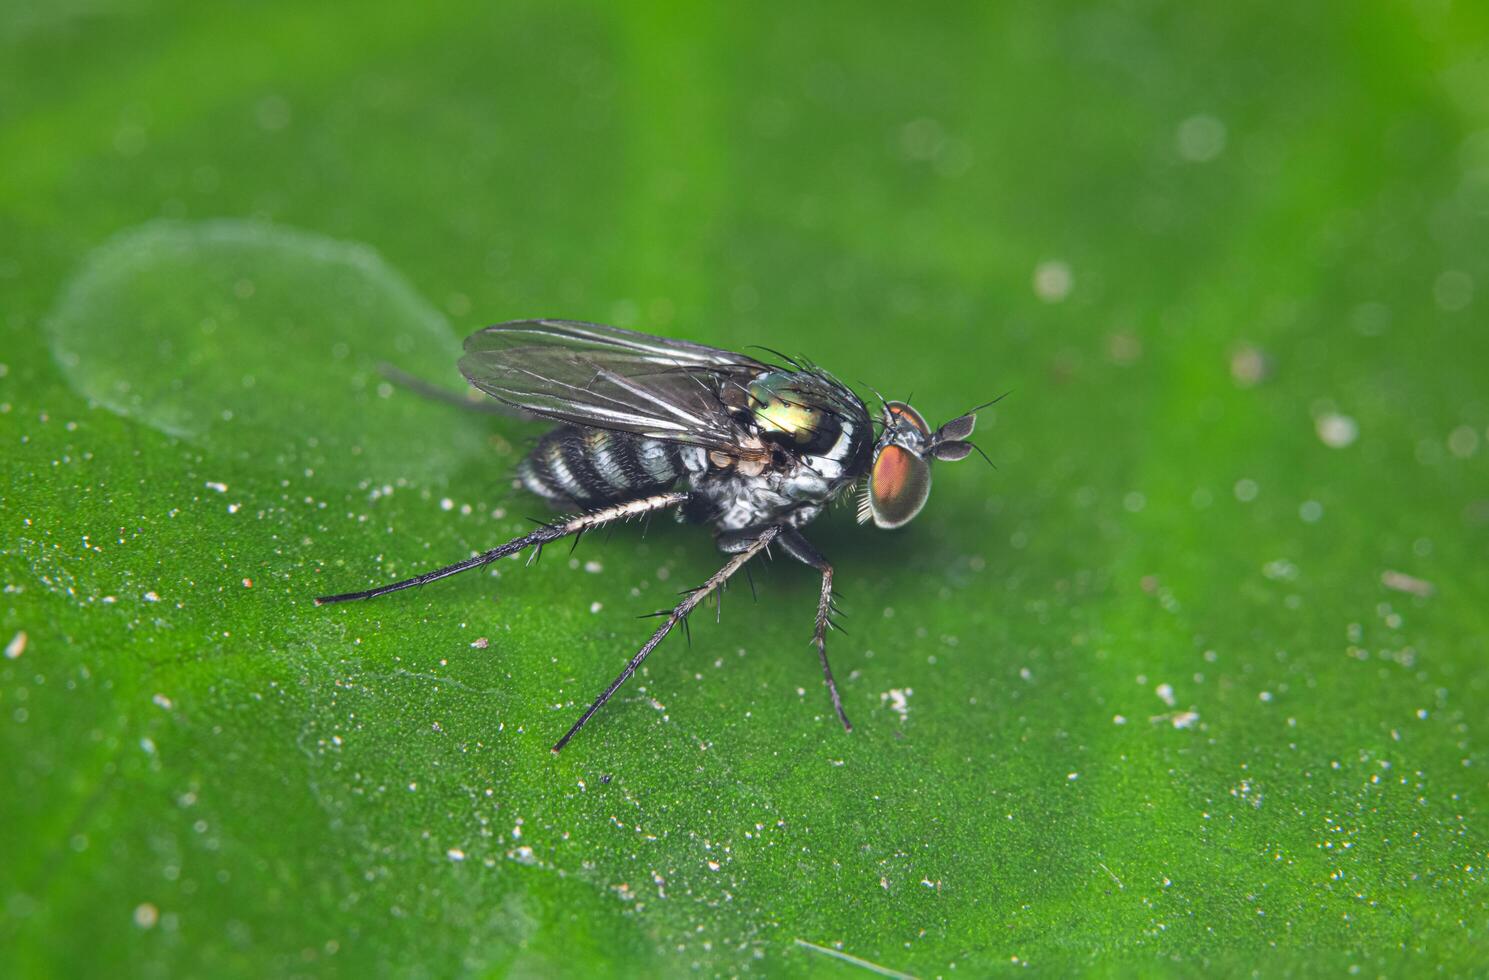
(1193, 681)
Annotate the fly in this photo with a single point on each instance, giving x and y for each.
(754, 451)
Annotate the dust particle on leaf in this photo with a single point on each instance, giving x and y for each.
(1402, 582)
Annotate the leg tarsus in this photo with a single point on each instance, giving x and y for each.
(799, 548)
(819, 637)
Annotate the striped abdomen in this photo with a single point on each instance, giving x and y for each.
(590, 467)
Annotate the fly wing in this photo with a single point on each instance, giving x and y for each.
(609, 378)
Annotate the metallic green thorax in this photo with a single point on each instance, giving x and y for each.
(787, 412)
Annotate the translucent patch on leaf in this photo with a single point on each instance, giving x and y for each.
(266, 336)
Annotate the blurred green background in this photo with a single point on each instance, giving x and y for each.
(1194, 681)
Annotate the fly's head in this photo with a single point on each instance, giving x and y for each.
(900, 476)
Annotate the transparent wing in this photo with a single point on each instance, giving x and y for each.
(609, 378)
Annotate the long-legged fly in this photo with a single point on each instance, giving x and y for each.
(645, 424)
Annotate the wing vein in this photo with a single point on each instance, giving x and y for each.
(593, 375)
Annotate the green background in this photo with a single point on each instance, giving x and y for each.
(1168, 702)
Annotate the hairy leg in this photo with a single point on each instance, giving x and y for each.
(690, 600)
(801, 549)
(540, 535)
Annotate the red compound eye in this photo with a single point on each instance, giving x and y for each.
(898, 486)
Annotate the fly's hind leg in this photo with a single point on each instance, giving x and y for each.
(801, 549)
(537, 537)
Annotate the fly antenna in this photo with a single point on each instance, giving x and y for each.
(974, 411)
(984, 455)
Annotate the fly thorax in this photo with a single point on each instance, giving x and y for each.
(814, 432)
(792, 415)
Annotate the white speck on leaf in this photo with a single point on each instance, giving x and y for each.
(1335, 430)
(1463, 441)
(1249, 366)
(1200, 138)
(1053, 281)
(1402, 582)
(1453, 290)
(1280, 570)
(898, 700)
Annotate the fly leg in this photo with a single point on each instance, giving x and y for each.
(689, 602)
(538, 536)
(801, 549)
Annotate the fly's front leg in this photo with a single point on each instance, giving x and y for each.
(801, 549)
